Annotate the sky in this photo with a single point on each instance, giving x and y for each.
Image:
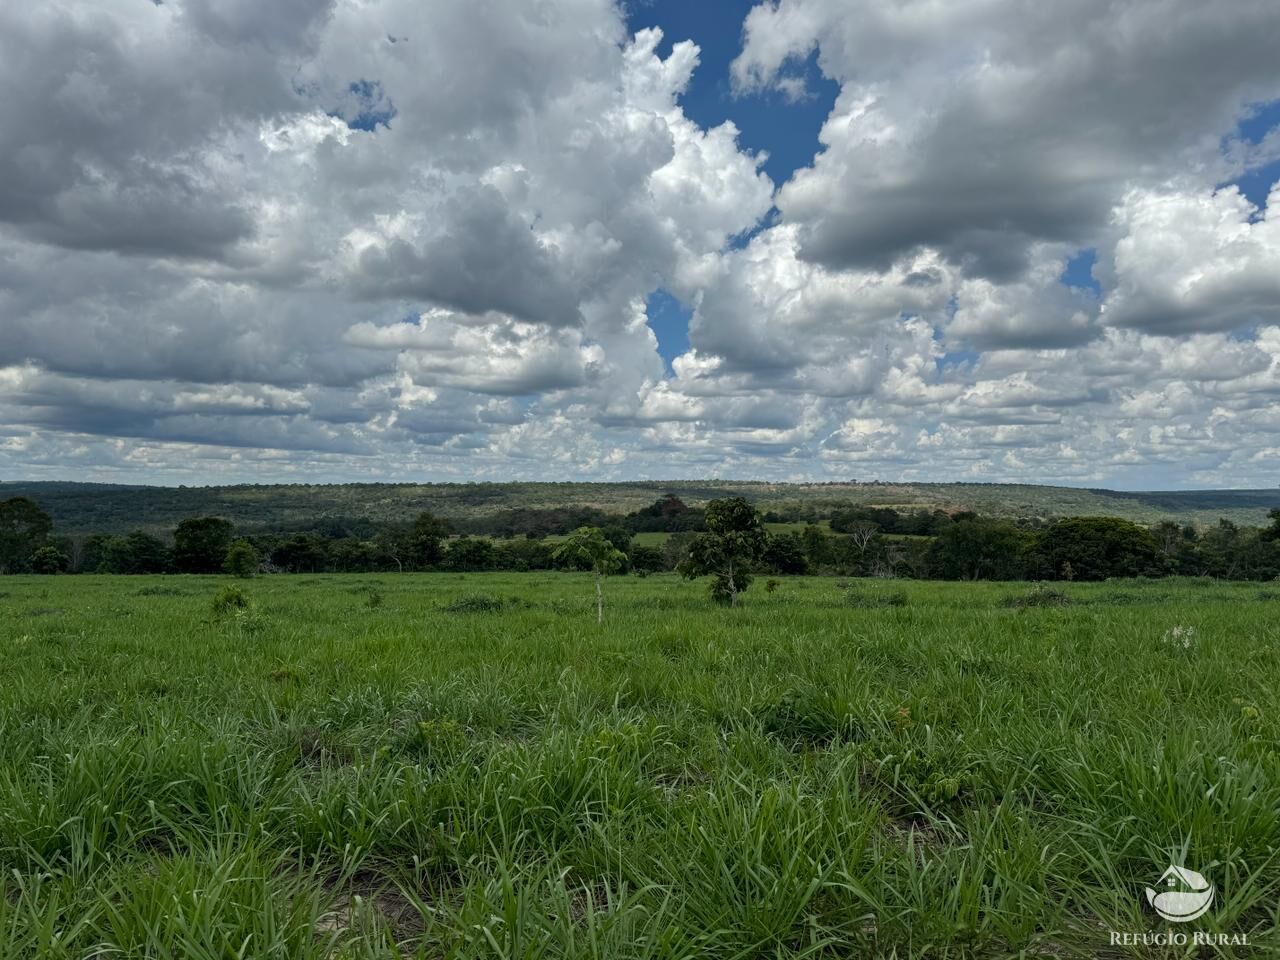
(383, 240)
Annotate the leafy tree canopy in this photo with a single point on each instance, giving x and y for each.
(24, 527)
(734, 542)
(200, 544)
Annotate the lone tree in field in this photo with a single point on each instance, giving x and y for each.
(589, 547)
(734, 542)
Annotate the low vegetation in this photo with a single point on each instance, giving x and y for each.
(472, 767)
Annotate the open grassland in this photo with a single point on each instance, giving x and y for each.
(467, 766)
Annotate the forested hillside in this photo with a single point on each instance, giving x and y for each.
(78, 508)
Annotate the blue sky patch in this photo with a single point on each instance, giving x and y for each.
(669, 321)
(372, 107)
(1256, 183)
(1079, 272)
(787, 130)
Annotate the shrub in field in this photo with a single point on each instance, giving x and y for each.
(373, 597)
(241, 560)
(933, 778)
(229, 599)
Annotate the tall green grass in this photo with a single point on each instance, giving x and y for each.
(472, 768)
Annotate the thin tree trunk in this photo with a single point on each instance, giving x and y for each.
(733, 589)
(599, 601)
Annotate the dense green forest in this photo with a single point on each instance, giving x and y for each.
(83, 508)
(779, 536)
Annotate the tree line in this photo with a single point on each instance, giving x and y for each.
(860, 541)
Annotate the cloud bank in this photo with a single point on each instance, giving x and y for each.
(330, 239)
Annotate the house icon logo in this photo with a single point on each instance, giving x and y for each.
(1183, 895)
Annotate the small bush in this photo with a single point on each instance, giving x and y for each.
(373, 598)
(771, 585)
(1038, 596)
(229, 599)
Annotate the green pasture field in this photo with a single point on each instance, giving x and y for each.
(446, 766)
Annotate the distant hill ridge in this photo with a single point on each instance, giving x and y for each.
(115, 508)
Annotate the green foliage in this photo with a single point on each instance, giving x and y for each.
(229, 599)
(349, 509)
(48, 560)
(426, 549)
(644, 559)
(23, 529)
(241, 560)
(200, 544)
(136, 553)
(302, 553)
(587, 548)
(470, 554)
(1095, 548)
(972, 548)
(786, 554)
(734, 542)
